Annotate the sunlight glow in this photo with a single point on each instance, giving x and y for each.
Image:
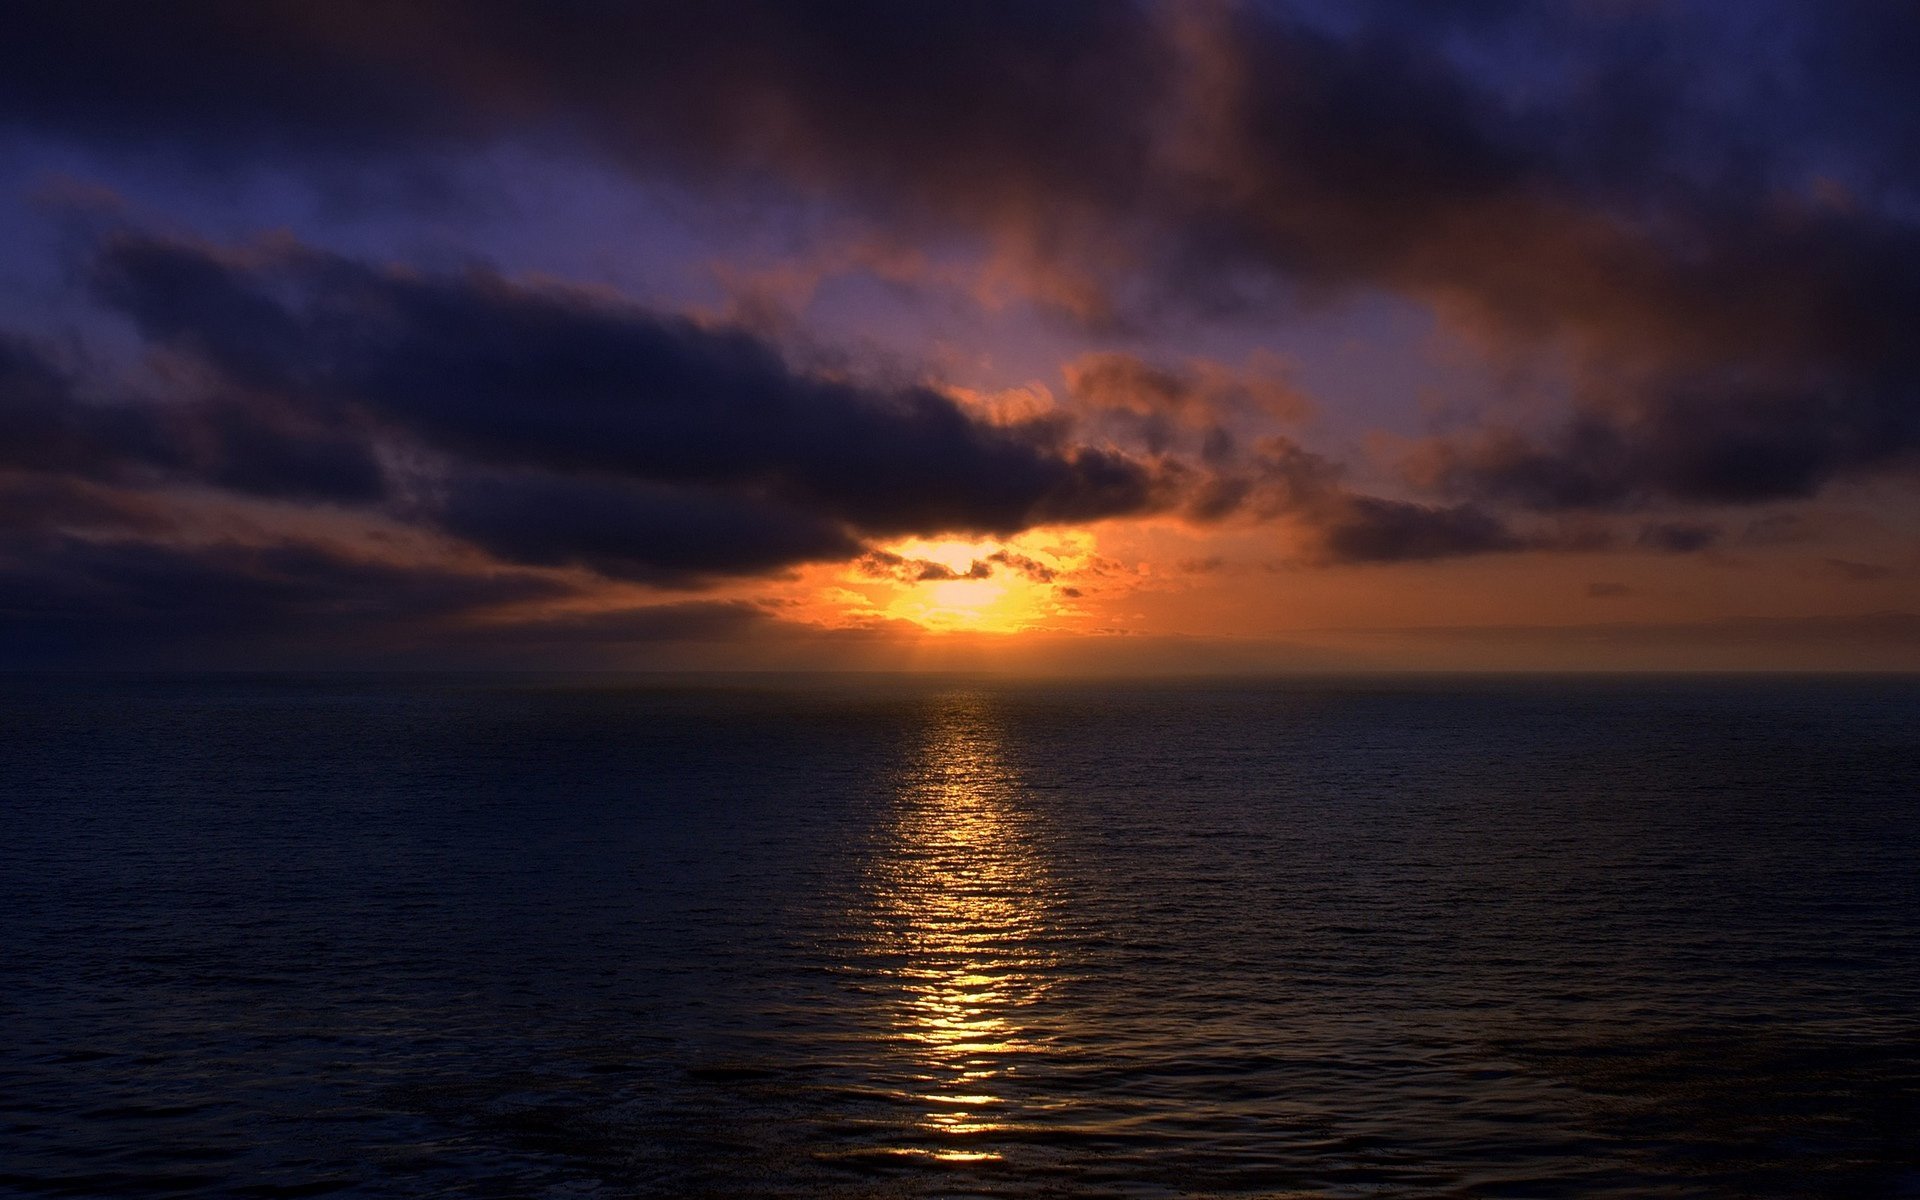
(924, 590)
(961, 604)
(955, 556)
(992, 586)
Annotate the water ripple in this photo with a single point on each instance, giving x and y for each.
(297, 937)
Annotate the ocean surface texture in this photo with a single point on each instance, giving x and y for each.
(280, 937)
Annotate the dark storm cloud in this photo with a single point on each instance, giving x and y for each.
(66, 599)
(44, 426)
(246, 444)
(499, 374)
(554, 430)
(134, 603)
(629, 530)
(541, 427)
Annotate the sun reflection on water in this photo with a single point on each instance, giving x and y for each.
(962, 898)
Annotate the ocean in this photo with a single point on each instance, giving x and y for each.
(873, 937)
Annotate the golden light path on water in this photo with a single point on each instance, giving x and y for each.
(962, 903)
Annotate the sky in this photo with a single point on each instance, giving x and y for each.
(1017, 335)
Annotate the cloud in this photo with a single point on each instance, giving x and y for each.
(1362, 529)
(1196, 389)
(319, 443)
(625, 529)
(1706, 236)
(534, 378)
(1678, 537)
(884, 564)
(569, 430)
(1694, 441)
(562, 427)
(1028, 567)
(933, 99)
(140, 603)
(1199, 408)
(245, 443)
(117, 602)
(1713, 234)
(1282, 480)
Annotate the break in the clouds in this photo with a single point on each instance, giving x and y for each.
(1678, 240)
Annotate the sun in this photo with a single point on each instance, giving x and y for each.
(977, 604)
(1038, 580)
(980, 593)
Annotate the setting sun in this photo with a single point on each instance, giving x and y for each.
(987, 585)
(963, 603)
(953, 585)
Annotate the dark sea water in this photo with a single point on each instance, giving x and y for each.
(423, 937)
